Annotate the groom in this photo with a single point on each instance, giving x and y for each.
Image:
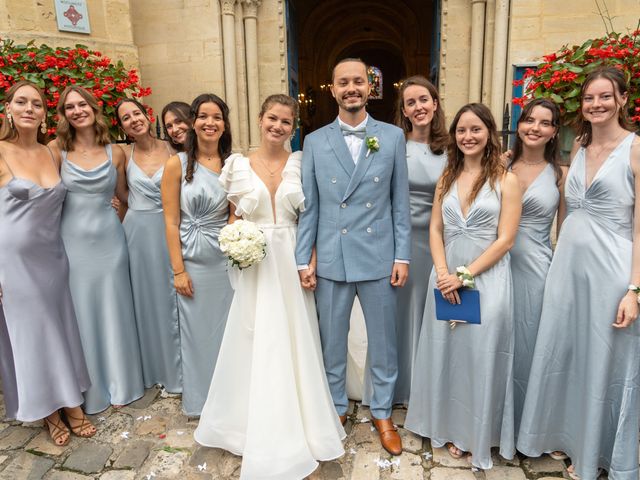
(354, 177)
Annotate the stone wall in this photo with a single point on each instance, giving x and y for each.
(110, 20)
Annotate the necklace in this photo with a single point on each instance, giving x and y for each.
(532, 163)
(271, 173)
(596, 156)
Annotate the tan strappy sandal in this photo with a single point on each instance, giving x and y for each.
(82, 430)
(57, 430)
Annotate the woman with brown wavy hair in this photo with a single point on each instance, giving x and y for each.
(461, 394)
(93, 170)
(41, 360)
(195, 210)
(176, 123)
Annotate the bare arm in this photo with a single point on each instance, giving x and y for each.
(170, 189)
(119, 161)
(562, 206)
(628, 308)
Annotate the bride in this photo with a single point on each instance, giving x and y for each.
(269, 400)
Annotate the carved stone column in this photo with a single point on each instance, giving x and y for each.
(230, 73)
(253, 81)
(477, 44)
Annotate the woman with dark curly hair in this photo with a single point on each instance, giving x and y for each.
(462, 393)
(93, 170)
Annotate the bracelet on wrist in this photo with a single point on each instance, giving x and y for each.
(175, 274)
(465, 276)
(635, 289)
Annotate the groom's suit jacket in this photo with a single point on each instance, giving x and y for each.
(357, 215)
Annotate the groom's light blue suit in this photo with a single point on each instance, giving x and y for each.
(357, 216)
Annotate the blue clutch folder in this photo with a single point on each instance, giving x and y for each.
(468, 311)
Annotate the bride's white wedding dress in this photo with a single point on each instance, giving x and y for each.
(269, 400)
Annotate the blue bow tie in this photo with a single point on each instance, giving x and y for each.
(358, 132)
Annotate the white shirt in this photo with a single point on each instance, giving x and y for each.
(354, 143)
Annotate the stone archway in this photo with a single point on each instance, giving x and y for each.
(394, 36)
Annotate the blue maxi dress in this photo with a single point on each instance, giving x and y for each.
(100, 286)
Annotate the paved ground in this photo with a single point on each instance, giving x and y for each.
(151, 439)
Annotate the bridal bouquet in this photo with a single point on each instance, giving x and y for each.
(243, 242)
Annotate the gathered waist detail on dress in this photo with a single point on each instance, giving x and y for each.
(272, 226)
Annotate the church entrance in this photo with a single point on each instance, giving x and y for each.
(396, 38)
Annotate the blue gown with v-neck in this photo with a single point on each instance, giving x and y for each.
(583, 396)
(204, 211)
(42, 364)
(462, 388)
(100, 286)
(530, 259)
(154, 297)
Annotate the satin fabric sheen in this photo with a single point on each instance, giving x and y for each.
(530, 259)
(204, 211)
(462, 389)
(154, 298)
(41, 359)
(269, 383)
(583, 396)
(100, 286)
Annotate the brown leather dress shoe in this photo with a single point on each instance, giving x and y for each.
(389, 437)
(343, 419)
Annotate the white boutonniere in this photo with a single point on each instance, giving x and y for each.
(372, 145)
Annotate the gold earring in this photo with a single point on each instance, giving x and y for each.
(43, 127)
(10, 120)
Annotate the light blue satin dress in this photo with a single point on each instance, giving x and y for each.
(100, 286)
(204, 210)
(154, 297)
(530, 259)
(583, 396)
(462, 389)
(41, 360)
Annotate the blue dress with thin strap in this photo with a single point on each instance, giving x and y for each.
(154, 297)
(100, 286)
(41, 360)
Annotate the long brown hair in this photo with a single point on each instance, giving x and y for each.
(620, 87)
(492, 167)
(552, 147)
(66, 133)
(439, 136)
(224, 144)
(11, 133)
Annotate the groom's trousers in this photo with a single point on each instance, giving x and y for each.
(378, 300)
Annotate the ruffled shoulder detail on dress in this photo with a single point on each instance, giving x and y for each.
(292, 184)
(237, 180)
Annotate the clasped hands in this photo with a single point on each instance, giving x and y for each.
(448, 284)
(399, 275)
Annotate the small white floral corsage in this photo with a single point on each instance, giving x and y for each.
(372, 145)
(635, 289)
(465, 276)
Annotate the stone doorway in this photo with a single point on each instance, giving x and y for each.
(398, 37)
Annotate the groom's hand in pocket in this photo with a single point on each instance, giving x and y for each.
(399, 274)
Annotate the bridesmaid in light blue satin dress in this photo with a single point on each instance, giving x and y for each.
(462, 390)
(196, 209)
(535, 164)
(583, 396)
(154, 298)
(41, 360)
(421, 116)
(92, 170)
